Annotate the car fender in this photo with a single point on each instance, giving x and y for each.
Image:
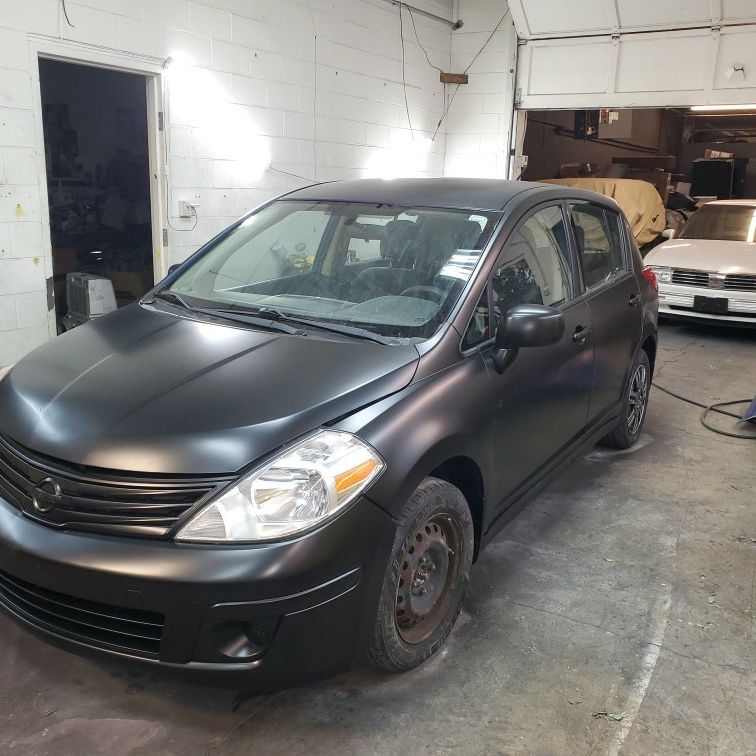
(411, 431)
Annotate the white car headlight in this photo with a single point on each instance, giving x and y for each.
(302, 487)
(663, 275)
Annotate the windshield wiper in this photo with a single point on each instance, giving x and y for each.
(275, 320)
(357, 333)
(271, 324)
(171, 296)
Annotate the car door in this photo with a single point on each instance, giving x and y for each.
(613, 296)
(540, 402)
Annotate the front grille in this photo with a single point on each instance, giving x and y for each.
(732, 281)
(739, 282)
(130, 631)
(690, 278)
(99, 501)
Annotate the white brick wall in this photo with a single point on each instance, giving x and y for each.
(479, 121)
(244, 86)
(252, 61)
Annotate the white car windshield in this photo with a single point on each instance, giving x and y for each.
(395, 271)
(723, 222)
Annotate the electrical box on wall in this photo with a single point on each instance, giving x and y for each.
(453, 78)
(187, 209)
(616, 124)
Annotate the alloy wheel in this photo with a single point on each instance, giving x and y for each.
(637, 399)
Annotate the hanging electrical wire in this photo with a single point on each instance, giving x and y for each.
(166, 97)
(289, 173)
(469, 66)
(65, 13)
(404, 70)
(485, 44)
(417, 37)
(444, 113)
(314, 176)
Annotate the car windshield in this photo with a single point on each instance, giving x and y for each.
(724, 222)
(395, 271)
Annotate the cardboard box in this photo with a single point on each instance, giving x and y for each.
(710, 154)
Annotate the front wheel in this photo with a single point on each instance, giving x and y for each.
(426, 578)
(634, 404)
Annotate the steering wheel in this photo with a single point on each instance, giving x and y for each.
(430, 293)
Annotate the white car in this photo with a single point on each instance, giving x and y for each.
(708, 272)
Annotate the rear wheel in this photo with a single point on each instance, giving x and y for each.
(426, 578)
(634, 405)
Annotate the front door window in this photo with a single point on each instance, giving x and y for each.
(535, 267)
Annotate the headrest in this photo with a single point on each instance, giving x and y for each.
(399, 239)
(469, 234)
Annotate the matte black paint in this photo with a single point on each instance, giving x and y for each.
(530, 326)
(155, 390)
(149, 391)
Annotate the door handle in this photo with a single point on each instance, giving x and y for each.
(634, 300)
(581, 334)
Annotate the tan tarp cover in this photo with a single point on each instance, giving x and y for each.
(639, 201)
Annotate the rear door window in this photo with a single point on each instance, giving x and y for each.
(599, 243)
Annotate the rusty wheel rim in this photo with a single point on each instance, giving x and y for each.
(429, 566)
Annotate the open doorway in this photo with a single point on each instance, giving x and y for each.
(660, 164)
(95, 124)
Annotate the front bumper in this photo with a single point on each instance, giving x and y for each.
(678, 302)
(282, 613)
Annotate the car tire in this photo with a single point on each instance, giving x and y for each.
(635, 401)
(426, 578)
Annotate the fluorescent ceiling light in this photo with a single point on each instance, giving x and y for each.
(715, 108)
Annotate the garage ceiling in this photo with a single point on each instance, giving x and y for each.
(635, 53)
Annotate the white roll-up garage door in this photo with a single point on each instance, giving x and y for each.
(635, 53)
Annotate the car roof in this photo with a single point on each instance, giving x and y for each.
(452, 193)
(743, 202)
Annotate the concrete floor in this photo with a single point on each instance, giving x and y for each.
(627, 588)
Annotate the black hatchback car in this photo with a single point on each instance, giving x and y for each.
(289, 454)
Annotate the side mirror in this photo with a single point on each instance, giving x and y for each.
(173, 268)
(527, 325)
(668, 233)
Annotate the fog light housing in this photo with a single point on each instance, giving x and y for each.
(241, 641)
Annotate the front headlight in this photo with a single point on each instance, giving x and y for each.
(302, 487)
(663, 275)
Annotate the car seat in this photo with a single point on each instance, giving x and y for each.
(593, 262)
(400, 247)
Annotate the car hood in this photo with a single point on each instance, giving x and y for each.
(147, 391)
(711, 255)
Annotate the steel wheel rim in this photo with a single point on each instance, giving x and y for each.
(428, 569)
(637, 399)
